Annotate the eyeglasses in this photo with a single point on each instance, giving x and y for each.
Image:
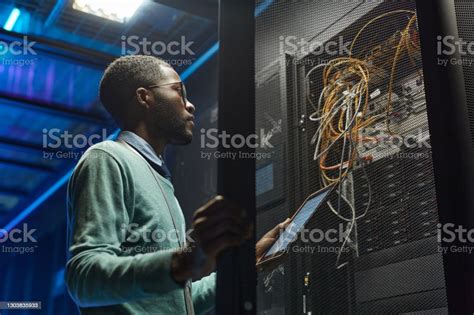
(182, 89)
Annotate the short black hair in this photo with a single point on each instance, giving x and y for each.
(121, 79)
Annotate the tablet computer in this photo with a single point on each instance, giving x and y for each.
(298, 221)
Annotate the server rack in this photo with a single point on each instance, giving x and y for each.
(236, 272)
(391, 262)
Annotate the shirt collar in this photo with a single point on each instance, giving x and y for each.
(143, 147)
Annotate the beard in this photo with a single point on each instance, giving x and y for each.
(165, 121)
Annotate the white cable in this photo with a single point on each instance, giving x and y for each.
(316, 157)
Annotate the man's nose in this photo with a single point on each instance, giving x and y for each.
(190, 107)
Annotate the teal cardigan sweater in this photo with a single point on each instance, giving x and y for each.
(121, 238)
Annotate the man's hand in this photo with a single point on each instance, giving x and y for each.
(269, 238)
(217, 225)
(265, 243)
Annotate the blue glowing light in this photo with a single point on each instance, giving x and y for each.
(10, 23)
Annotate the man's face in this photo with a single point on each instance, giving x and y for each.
(170, 115)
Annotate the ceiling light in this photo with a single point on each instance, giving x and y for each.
(12, 18)
(116, 10)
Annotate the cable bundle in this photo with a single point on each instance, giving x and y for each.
(342, 108)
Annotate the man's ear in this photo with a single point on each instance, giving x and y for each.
(143, 97)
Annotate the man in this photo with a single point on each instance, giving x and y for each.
(129, 253)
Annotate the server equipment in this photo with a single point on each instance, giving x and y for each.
(344, 102)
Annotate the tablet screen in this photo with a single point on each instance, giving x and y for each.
(298, 222)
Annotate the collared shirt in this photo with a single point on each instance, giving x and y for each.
(145, 149)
